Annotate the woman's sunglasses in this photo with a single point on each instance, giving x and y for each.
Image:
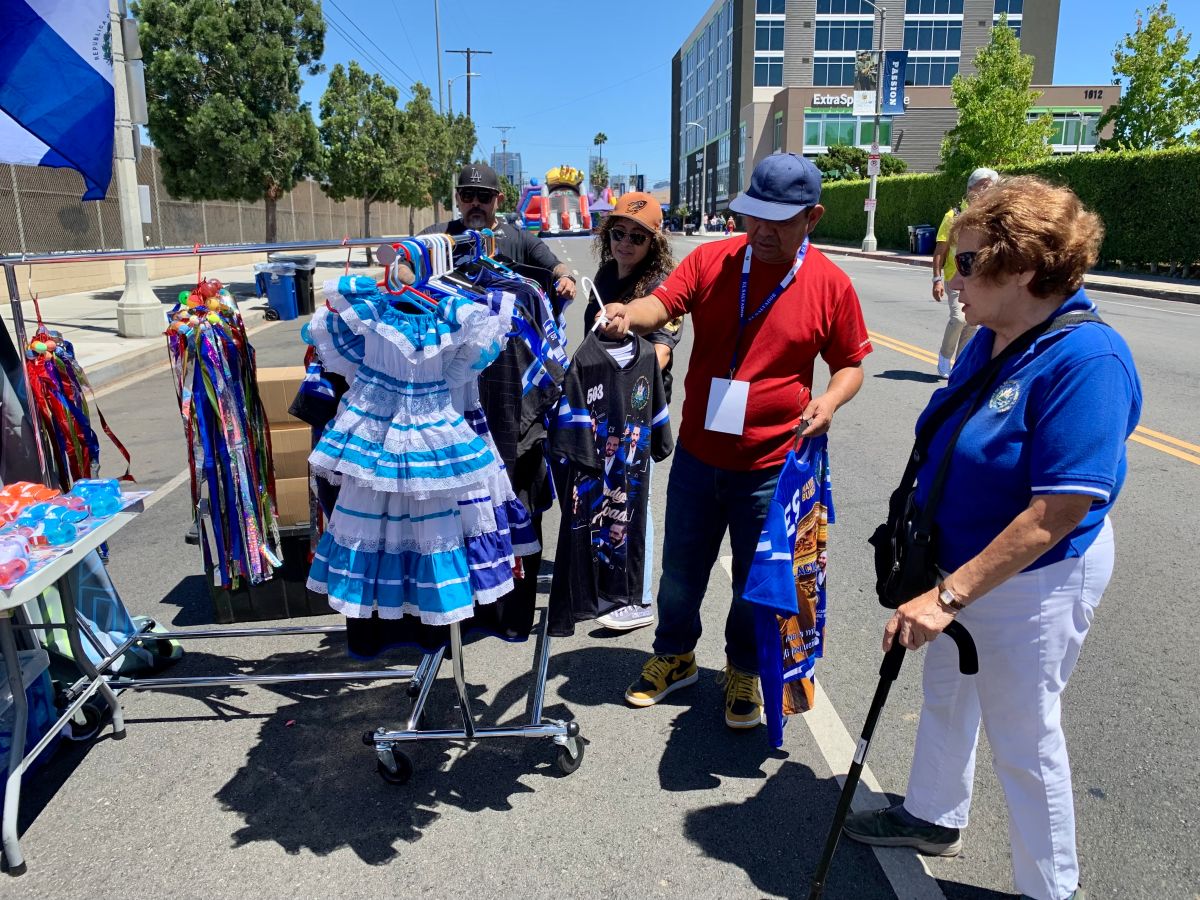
(472, 195)
(636, 238)
(965, 262)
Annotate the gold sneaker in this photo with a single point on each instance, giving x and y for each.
(743, 698)
(660, 676)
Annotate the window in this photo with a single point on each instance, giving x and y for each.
(770, 7)
(777, 138)
(827, 129)
(1072, 131)
(768, 36)
(768, 71)
(834, 73)
(937, 7)
(1012, 7)
(932, 35)
(836, 35)
(844, 7)
(931, 70)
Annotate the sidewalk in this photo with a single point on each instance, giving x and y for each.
(1140, 285)
(89, 319)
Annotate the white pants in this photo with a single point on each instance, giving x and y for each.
(1028, 632)
(957, 332)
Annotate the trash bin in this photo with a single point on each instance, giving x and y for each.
(306, 298)
(278, 282)
(925, 235)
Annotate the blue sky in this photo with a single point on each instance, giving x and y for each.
(561, 71)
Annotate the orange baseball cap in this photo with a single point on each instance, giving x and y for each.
(641, 207)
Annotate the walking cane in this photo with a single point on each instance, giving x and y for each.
(889, 670)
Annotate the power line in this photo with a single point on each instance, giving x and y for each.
(385, 53)
(408, 40)
(541, 111)
(379, 69)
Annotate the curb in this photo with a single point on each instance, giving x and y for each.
(136, 362)
(1132, 290)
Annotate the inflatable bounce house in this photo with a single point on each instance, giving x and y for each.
(558, 206)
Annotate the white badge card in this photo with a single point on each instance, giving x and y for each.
(727, 406)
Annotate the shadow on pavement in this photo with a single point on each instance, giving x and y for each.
(907, 375)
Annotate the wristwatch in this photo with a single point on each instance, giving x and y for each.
(948, 599)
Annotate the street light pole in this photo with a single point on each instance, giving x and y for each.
(869, 243)
(703, 172)
(450, 90)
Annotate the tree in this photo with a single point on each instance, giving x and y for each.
(600, 140)
(842, 162)
(1160, 94)
(994, 128)
(511, 193)
(223, 87)
(361, 128)
(461, 137)
(599, 175)
(425, 154)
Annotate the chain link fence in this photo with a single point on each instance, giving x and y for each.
(40, 212)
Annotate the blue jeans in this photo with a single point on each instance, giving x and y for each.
(702, 502)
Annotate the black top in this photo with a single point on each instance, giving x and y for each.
(613, 289)
(516, 243)
(611, 422)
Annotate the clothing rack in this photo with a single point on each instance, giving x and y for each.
(393, 765)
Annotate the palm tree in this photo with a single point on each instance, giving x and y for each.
(600, 140)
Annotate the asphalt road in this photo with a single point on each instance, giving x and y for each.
(269, 790)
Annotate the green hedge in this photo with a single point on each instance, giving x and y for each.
(1148, 201)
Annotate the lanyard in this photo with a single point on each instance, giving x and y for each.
(743, 320)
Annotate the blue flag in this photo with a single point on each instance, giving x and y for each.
(895, 67)
(56, 88)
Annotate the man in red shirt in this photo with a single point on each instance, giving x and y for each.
(763, 306)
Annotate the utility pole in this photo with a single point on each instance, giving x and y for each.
(437, 37)
(469, 52)
(869, 243)
(504, 130)
(633, 166)
(139, 311)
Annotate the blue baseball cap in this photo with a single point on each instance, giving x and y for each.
(781, 186)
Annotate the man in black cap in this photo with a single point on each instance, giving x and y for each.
(764, 305)
(478, 195)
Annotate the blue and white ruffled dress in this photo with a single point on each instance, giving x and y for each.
(422, 523)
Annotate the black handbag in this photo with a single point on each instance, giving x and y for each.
(906, 544)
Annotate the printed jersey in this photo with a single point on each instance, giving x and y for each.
(786, 584)
(611, 422)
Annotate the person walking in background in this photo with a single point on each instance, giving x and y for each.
(764, 306)
(957, 331)
(635, 257)
(730, 225)
(1025, 544)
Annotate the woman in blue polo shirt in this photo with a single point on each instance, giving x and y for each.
(1025, 543)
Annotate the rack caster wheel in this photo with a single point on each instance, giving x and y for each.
(403, 771)
(570, 756)
(93, 721)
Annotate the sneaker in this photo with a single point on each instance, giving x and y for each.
(743, 699)
(944, 366)
(889, 828)
(660, 676)
(1077, 894)
(627, 618)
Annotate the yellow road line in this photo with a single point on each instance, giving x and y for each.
(1168, 439)
(1144, 436)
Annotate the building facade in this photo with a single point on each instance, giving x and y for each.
(759, 76)
(508, 164)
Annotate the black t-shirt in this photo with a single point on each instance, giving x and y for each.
(613, 289)
(611, 421)
(518, 244)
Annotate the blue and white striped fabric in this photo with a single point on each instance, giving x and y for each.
(56, 88)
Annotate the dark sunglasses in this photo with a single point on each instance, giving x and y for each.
(965, 262)
(472, 195)
(635, 237)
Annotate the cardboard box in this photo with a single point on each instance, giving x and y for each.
(291, 498)
(290, 447)
(277, 386)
